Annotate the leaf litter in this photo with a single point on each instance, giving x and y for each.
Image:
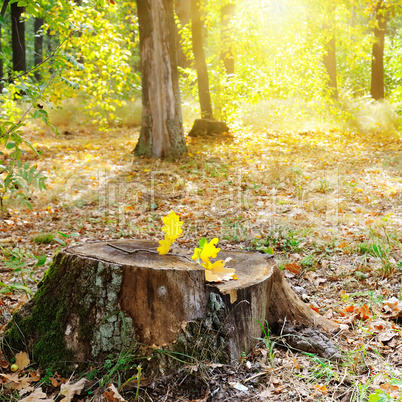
(326, 205)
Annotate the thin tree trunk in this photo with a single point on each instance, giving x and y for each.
(377, 61)
(18, 38)
(329, 60)
(161, 134)
(199, 59)
(38, 45)
(183, 12)
(2, 13)
(227, 13)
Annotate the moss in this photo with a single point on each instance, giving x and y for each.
(39, 326)
(73, 316)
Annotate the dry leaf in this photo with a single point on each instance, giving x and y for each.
(116, 394)
(69, 390)
(22, 360)
(313, 278)
(218, 273)
(37, 396)
(18, 383)
(293, 267)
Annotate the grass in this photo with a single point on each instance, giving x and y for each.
(325, 198)
(43, 238)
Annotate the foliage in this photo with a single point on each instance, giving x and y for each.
(172, 230)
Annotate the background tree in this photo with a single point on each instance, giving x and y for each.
(38, 56)
(377, 61)
(227, 13)
(199, 59)
(18, 38)
(161, 134)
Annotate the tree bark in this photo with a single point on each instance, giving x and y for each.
(161, 134)
(38, 45)
(18, 38)
(200, 63)
(377, 61)
(103, 298)
(227, 13)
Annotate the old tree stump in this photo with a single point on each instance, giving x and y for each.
(101, 298)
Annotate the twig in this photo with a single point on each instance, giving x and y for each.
(268, 371)
(30, 106)
(43, 61)
(146, 250)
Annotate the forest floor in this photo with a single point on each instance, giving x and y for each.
(327, 204)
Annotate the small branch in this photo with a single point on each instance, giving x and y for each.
(146, 250)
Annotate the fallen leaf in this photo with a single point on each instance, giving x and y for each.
(116, 396)
(293, 267)
(37, 396)
(313, 278)
(68, 390)
(22, 360)
(218, 273)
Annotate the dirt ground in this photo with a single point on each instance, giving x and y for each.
(327, 204)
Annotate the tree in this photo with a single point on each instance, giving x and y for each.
(38, 44)
(329, 59)
(199, 59)
(161, 134)
(18, 38)
(2, 13)
(227, 13)
(377, 61)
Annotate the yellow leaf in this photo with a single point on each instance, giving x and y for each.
(172, 226)
(172, 229)
(209, 250)
(218, 272)
(164, 245)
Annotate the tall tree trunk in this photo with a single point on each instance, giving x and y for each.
(38, 45)
(199, 59)
(18, 38)
(227, 13)
(377, 61)
(161, 133)
(2, 13)
(329, 60)
(183, 12)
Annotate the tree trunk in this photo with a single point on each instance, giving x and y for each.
(329, 60)
(377, 61)
(104, 298)
(199, 59)
(38, 45)
(227, 13)
(161, 133)
(2, 13)
(18, 38)
(183, 12)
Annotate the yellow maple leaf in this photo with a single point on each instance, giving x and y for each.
(172, 230)
(164, 245)
(207, 251)
(172, 226)
(218, 273)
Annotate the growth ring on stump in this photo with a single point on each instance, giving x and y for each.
(99, 298)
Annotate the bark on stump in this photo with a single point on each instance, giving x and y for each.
(207, 127)
(101, 298)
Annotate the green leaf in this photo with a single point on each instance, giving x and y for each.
(10, 145)
(41, 260)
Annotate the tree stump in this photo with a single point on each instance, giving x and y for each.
(206, 127)
(101, 298)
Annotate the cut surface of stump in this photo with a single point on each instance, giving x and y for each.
(207, 127)
(100, 298)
